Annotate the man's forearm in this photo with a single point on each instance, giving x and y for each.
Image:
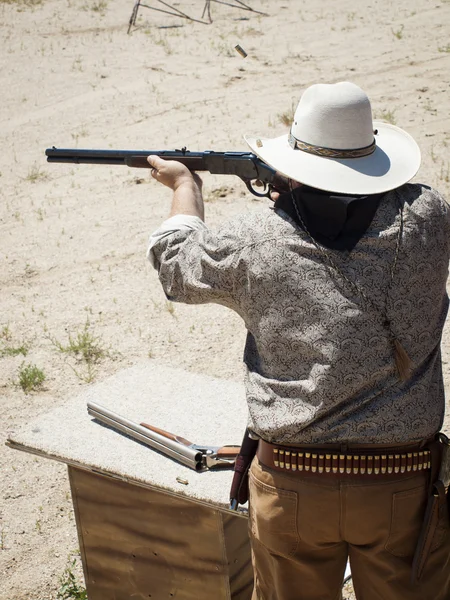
(186, 186)
(188, 200)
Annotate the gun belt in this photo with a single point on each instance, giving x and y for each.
(355, 463)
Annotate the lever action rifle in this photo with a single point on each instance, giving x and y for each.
(245, 165)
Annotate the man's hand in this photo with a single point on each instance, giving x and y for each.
(172, 173)
(186, 186)
(281, 185)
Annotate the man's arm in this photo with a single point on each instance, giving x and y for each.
(186, 186)
(194, 264)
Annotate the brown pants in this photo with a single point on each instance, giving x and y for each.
(303, 530)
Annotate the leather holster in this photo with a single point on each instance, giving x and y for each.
(239, 485)
(438, 502)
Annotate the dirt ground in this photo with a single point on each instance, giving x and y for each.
(73, 238)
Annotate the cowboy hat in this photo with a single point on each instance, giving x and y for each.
(334, 145)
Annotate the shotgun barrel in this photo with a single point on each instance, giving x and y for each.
(187, 456)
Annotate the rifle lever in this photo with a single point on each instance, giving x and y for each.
(258, 183)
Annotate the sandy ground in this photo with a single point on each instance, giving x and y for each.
(73, 239)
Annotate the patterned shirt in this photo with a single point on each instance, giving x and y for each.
(318, 358)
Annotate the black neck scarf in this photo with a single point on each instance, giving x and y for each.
(336, 221)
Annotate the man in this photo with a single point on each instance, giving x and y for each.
(342, 288)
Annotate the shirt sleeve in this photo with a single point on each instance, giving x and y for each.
(172, 225)
(196, 265)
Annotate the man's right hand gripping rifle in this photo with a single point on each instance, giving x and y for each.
(186, 186)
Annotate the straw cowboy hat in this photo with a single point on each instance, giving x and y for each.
(334, 145)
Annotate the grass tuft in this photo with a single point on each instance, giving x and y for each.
(87, 348)
(287, 117)
(398, 33)
(31, 378)
(70, 588)
(170, 308)
(14, 351)
(386, 115)
(99, 7)
(444, 174)
(35, 174)
(22, 2)
(7, 348)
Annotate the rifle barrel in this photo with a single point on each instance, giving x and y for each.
(113, 157)
(245, 165)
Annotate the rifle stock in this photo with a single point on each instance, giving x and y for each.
(167, 434)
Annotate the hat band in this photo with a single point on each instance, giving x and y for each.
(296, 144)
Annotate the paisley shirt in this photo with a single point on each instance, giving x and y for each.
(319, 361)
